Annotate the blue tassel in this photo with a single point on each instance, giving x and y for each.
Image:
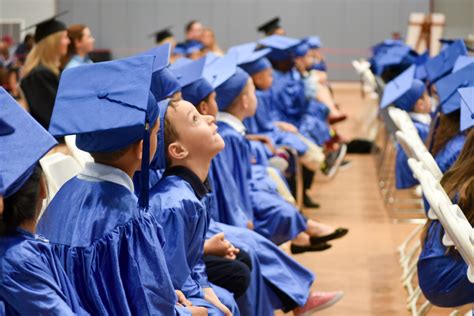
(144, 174)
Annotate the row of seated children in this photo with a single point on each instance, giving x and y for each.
(111, 251)
(438, 95)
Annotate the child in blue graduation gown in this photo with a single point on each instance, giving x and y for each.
(271, 215)
(442, 271)
(188, 142)
(409, 94)
(109, 244)
(278, 282)
(32, 280)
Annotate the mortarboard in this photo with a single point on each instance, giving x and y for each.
(403, 91)
(255, 61)
(180, 49)
(23, 142)
(230, 89)
(220, 70)
(194, 87)
(163, 82)
(442, 64)
(447, 87)
(462, 62)
(467, 107)
(108, 106)
(269, 26)
(48, 27)
(192, 47)
(281, 46)
(313, 42)
(162, 34)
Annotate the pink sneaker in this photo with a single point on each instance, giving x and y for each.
(318, 301)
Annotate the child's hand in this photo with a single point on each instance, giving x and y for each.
(217, 245)
(286, 127)
(232, 252)
(182, 299)
(250, 225)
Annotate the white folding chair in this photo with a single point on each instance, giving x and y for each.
(58, 168)
(81, 156)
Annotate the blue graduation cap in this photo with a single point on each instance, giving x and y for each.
(242, 50)
(420, 72)
(313, 42)
(180, 62)
(255, 61)
(163, 83)
(394, 55)
(447, 86)
(380, 47)
(210, 58)
(179, 49)
(403, 91)
(442, 64)
(467, 107)
(280, 45)
(462, 62)
(192, 47)
(108, 106)
(220, 70)
(22, 141)
(194, 87)
(231, 88)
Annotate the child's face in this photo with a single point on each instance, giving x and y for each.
(252, 99)
(263, 80)
(153, 139)
(423, 105)
(212, 108)
(196, 133)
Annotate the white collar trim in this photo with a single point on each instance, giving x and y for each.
(97, 172)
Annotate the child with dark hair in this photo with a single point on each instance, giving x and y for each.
(32, 280)
(109, 243)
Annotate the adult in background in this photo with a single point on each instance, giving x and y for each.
(40, 74)
(81, 44)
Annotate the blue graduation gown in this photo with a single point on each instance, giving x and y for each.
(272, 216)
(111, 250)
(446, 157)
(293, 107)
(403, 174)
(262, 123)
(270, 267)
(32, 280)
(442, 276)
(181, 210)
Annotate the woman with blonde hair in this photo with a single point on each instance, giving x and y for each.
(40, 74)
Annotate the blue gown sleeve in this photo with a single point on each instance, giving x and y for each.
(29, 290)
(231, 208)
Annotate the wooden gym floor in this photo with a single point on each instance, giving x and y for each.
(364, 264)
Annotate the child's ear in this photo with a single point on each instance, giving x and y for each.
(176, 151)
(245, 101)
(202, 108)
(138, 150)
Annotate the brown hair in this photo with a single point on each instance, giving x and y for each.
(75, 33)
(448, 128)
(241, 94)
(171, 134)
(46, 53)
(458, 182)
